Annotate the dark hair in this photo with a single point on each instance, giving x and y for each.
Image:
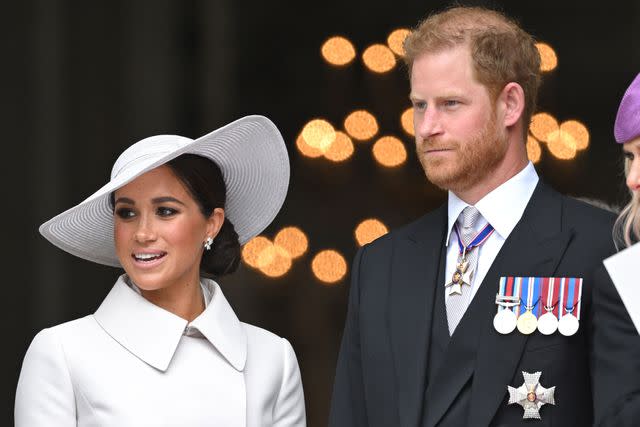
(203, 179)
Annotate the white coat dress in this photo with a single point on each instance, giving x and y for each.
(132, 364)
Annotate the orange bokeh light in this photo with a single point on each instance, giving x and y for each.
(578, 132)
(274, 261)
(341, 149)
(406, 120)
(534, 152)
(319, 134)
(338, 51)
(369, 230)
(329, 266)
(396, 40)
(293, 240)
(361, 125)
(379, 58)
(542, 125)
(561, 145)
(305, 149)
(389, 151)
(252, 250)
(548, 57)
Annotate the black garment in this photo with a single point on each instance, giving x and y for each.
(381, 377)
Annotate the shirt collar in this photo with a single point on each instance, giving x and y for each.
(503, 207)
(153, 334)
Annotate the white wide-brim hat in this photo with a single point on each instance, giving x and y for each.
(253, 159)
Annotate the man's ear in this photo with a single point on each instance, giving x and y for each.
(511, 101)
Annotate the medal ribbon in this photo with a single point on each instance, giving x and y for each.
(479, 239)
(505, 290)
(549, 295)
(571, 296)
(529, 293)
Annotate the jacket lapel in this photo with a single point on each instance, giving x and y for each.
(534, 248)
(415, 263)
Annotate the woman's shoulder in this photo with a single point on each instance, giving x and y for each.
(267, 343)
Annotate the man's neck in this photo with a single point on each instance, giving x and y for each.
(494, 179)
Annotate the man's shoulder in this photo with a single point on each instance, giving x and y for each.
(412, 231)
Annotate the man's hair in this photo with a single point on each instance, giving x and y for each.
(501, 51)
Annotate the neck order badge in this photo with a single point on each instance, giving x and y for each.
(545, 304)
(464, 272)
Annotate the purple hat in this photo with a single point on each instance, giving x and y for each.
(627, 126)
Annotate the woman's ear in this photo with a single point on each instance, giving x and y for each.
(214, 222)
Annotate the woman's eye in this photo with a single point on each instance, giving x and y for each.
(629, 156)
(125, 213)
(163, 211)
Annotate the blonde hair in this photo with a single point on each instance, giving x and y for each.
(626, 229)
(501, 51)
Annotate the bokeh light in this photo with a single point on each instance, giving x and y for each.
(274, 261)
(389, 151)
(407, 121)
(341, 149)
(369, 230)
(319, 134)
(561, 145)
(305, 149)
(396, 40)
(379, 58)
(534, 151)
(329, 266)
(338, 51)
(293, 240)
(361, 125)
(548, 57)
(252, 250)
(578, 132)
(542, 125)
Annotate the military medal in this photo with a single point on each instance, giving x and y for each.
(463, 274)
(527, 321)
(548, 322)
(571, 296)
(508, 300)
(531, 395)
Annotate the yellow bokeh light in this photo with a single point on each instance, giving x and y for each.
(389, 151)
(361, 125)
(341, 149)
(578, 132)
(274, 261)
(329, 266)
(369, 230)
(548, 57)
(319, 134)
(534, 152)
(407, 121)
(306, 149)
(293, 240)
(379, 58)
(542, 125)
(338, 51)
(396, 40)
(561, 145)
(253, 249)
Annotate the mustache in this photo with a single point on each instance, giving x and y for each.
(428, 144)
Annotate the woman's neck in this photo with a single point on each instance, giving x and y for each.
(184, 300)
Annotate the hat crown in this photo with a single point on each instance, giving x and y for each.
(147, 151)
(627, 125)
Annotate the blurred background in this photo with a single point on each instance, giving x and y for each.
(85, 79)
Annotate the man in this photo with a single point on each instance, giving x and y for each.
(420, 345)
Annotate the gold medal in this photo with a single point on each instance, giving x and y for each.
(527, 323)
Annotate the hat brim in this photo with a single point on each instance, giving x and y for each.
(253, 159)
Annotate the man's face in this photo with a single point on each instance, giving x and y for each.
(458, 140)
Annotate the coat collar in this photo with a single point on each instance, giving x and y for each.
(153, 334)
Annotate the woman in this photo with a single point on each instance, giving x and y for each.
(627, 132)
(165, 348)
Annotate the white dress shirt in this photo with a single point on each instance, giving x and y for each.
(131, 364)
(502, 208)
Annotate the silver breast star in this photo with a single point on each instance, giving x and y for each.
(462, 276)
(531, 395)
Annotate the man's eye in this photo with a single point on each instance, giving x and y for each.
(164, 211)
(419, 105)
(125, 213)
(451, 103)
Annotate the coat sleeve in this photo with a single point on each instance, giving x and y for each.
(348, 403)
(289, 408)
(44, 396)
(615, 357)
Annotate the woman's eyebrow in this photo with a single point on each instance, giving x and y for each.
(166, 199)
(124, 200)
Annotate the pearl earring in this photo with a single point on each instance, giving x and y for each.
(208, 243)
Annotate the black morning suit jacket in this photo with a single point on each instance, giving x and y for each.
(383, 375)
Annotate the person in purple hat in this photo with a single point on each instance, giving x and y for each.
(627, 132)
